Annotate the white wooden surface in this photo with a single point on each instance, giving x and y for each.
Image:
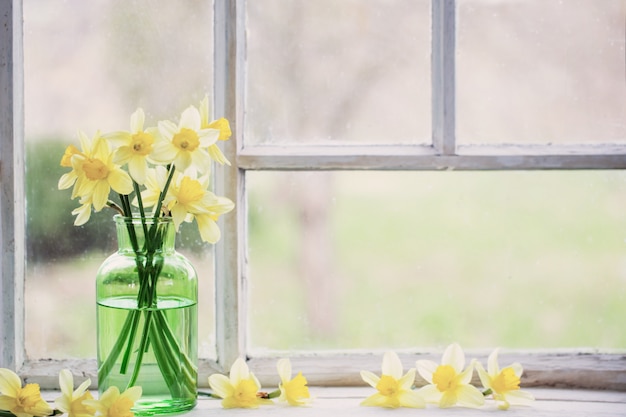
(340, 402)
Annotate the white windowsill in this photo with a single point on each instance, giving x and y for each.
(341, 402)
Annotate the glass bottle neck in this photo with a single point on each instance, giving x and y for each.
(145, 235)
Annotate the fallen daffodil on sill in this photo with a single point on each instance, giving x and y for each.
(238, 390)
(503, 384)
(21, 401)
(26, 401)
(71, 401)
(449, 383)
(113, 403)
(294, 391)
(394, 388)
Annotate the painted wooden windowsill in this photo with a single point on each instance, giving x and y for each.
(344, 401)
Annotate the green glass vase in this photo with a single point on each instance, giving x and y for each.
(147, 328)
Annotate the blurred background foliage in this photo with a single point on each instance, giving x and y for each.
(51, 234)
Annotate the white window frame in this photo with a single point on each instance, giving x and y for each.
(572, 368)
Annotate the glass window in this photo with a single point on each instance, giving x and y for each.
(372, 260)
(329, 72)
(544, 72)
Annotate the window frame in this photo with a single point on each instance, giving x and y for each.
(572, 368)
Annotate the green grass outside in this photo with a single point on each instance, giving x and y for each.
(515, 259)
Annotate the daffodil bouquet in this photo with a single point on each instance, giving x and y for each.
(151, 176)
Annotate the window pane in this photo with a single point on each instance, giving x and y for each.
(541, 71)
(519, 259)
(329, 71)
(88, 66)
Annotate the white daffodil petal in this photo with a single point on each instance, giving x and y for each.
(221, 385)
(518, 369)
(138, 170)
(178, 214)
(411, 399)
(374, 400)
(110, 395)
(67, 180)
(119, 138)
(182, 161)
(132, 393)
(120, 181)
(485, 379)
(201, 160)
(66, 382)
(470, 396)
(168, 129)
(239, 371)
(10, 383)
(519, 397)
(122, 155)
(426, 369)
(217, 155)
(137, 120)
(465, 377)
(284, 369)
(371, 378)
(208, 137)
(392, 365)
(82, 388)
(100, 195)
(190, 118)
(454, 356)
(430, 393)
(204, 111)
(407, 381)
(448, 399)
(492, 363)
(209, 230)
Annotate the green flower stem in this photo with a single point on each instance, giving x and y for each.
(108, 364)
(5, 413)
(166, 360)
(163, 193)
(141, 349)
(208, 395)
(133, 330)
(274, 394)
(174, 352)
(487, 392)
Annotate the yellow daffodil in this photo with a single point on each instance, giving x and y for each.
(449, 383)
(185, 144)
(83, 213)
(222, 125)
(112, 403)
(240, 389)
(503, 383)
(71, 401)
(191, 199)
(156, 178)
(207, 222)
(394, 389)
(22, 401)
(293, 391)
(66, 160)
(134, 147)
(94, 174)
